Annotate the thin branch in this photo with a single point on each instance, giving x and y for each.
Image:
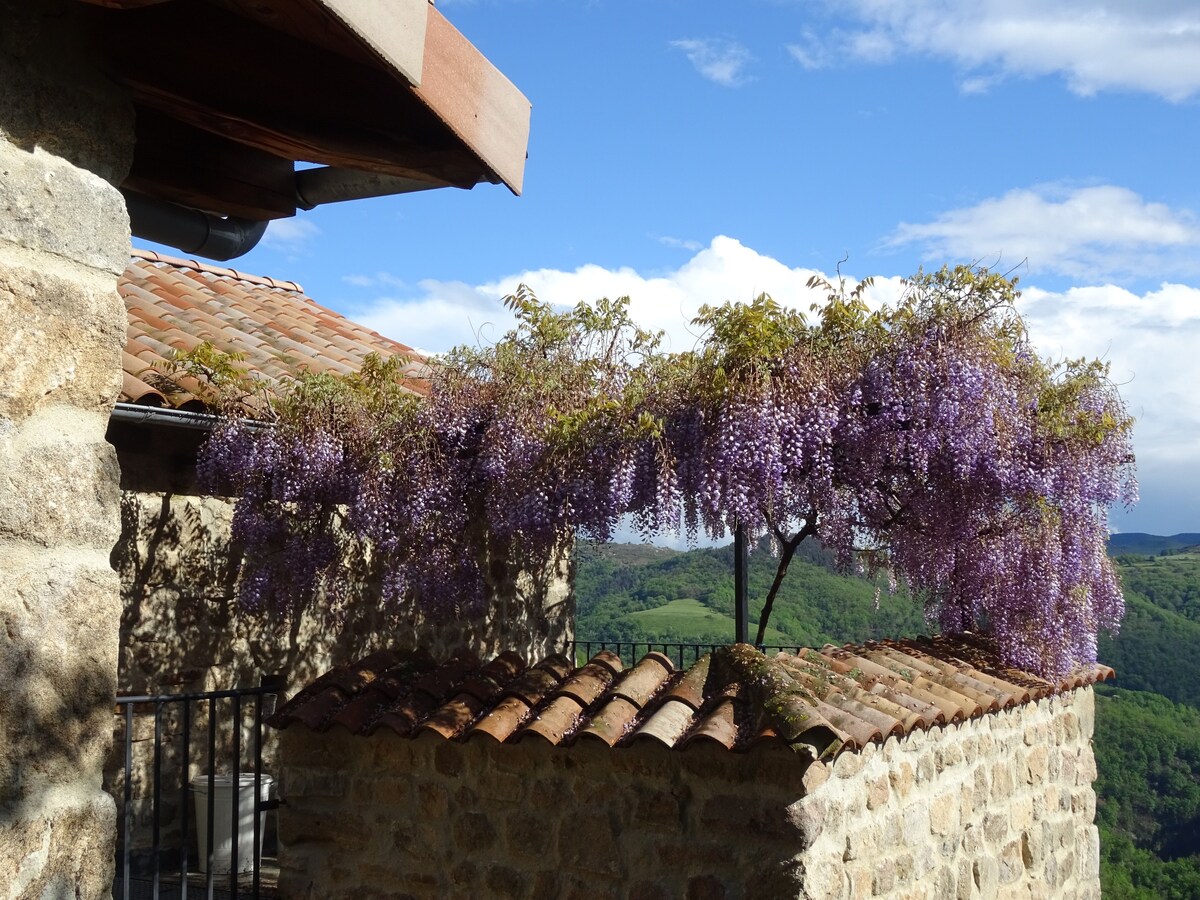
(787, 550)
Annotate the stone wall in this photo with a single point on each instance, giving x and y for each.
(182, 628)
(1000, 806)
(66, 137)
(183, 631)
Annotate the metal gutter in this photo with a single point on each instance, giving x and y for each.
(160, 415)
(191, 230)
(334, 184)
(136, 414)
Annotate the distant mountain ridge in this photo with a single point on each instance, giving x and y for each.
(1139, 544)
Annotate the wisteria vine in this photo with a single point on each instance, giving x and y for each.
(928, 439)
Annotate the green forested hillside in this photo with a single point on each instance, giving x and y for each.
(1149, 544)
(1156, 648)
(1147, 737)
(1148, 809)
(618, 585)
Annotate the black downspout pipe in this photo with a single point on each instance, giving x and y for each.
(191, 230)
(226, 237)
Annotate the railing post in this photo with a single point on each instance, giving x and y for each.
(741, 585)
(127, 818)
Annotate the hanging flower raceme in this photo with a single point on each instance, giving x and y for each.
(929, 435)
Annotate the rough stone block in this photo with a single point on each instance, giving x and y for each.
(1037, 765)
(1089, 854)
(1012, 863)
(945, 814)
(1021, 813)
(61, 331)
(902, 777)
(57, 667)
(986, 874)
(877, 791)
(59, 845)
(590, 844)
(49, 206)
(58, 482)
(916, 823)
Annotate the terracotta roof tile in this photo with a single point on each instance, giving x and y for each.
(820, 702)
(176, 304)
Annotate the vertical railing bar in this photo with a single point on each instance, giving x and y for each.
(157, 821)
(125, 819)
(212, 756)
(258, 707)
(185, 760)
(237, 796)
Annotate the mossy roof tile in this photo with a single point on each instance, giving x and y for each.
(819, 702)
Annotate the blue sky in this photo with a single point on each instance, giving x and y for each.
(690, 152)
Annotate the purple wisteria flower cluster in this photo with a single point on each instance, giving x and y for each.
(929, 440)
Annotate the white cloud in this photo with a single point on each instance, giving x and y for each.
(1088, 233)
(379, 279)
(679, 243)
(1151, 46)
(441, 314)
(1149, 339)
(718, 60)
(290, 236)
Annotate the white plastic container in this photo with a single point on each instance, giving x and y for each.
(223, 820)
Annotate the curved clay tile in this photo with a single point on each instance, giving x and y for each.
(644, 680)
(453, 718)
(688, 687)
(612, 722)
(406, 714)
(586, 684)
(439, 682)
(884, 723)
(322, 708)
(557, 665)
(956, 706)
(718, 724)
(668, 723)
(505, 667)
(800, 719)
(357, 715)
(855, 732)
(556, 722)
(609, 660)
(503, 720)
(877, 700)
(1012, 693)
(532, 686)
(134, 390)
(922, 713)
(871, 669)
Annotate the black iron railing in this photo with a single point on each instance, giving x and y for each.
(165, 871)
(682, 654)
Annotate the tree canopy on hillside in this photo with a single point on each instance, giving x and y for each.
(928, 439)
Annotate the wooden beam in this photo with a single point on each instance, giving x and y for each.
(124, 4)
(174, 161)
(221, 73)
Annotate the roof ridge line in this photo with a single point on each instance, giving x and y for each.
(220, 271)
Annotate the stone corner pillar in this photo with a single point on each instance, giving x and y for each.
(66, 137)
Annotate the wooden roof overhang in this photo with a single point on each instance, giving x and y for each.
(230, 94)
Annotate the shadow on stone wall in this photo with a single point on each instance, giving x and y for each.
(182, 628)
(56, 672)
(183, 631)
